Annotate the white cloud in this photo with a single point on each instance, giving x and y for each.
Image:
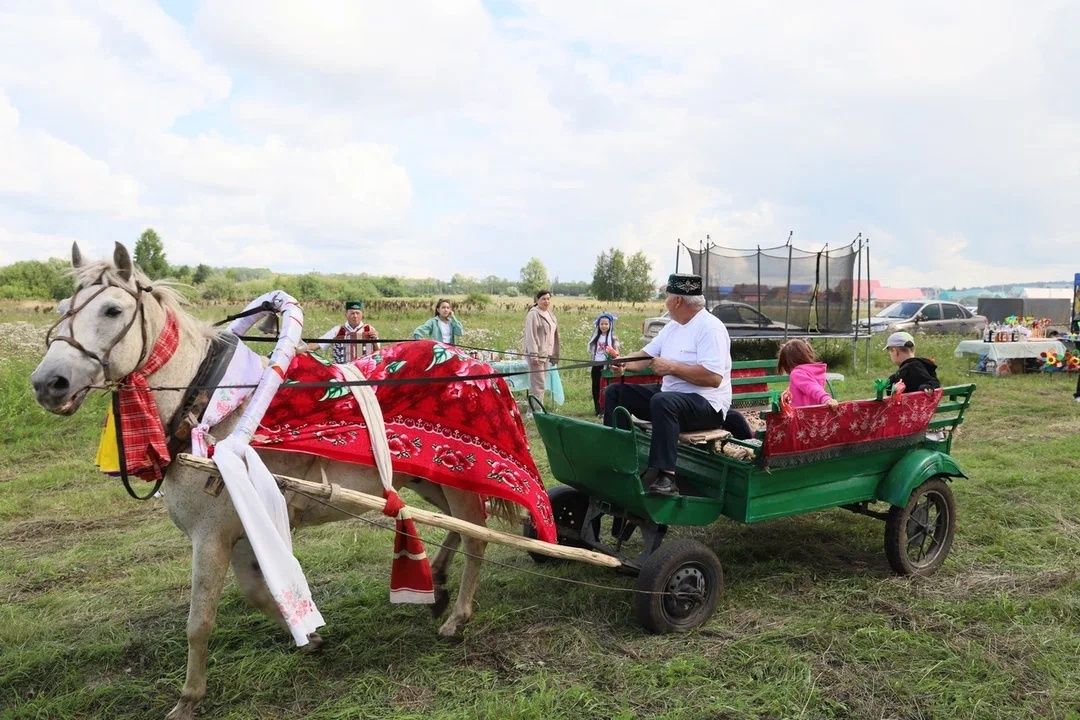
(420, 53)
(112, 69)
(44, 172)
(440, 138)
(955, 263)
(13, 245)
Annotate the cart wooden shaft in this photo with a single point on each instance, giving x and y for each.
(340, 497)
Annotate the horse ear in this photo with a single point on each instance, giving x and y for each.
(76, 255)
(122, 261)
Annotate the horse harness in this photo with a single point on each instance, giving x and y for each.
(187, 414)
(104, 358)
(196, 397)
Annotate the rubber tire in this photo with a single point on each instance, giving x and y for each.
(568, 507)
(896, 532)
(662, 614)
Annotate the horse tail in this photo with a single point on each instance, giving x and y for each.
(504, 511)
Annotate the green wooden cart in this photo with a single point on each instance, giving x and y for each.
(680, 581)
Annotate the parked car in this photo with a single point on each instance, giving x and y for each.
(741, 320)
(930, 316)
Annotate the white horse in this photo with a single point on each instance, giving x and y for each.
(114, 318)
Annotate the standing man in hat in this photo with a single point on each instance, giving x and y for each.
(352, 340)
(692, 354)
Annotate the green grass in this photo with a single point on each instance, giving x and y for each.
(94, 590)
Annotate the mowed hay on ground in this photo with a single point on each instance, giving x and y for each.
(94, 588)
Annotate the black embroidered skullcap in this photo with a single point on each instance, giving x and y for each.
(678, 284)
(354, 304)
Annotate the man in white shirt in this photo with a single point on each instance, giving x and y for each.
(692, 353)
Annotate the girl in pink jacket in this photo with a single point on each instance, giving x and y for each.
(797, 359)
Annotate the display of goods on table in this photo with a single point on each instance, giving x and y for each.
(1055, 362)
(1017, 328)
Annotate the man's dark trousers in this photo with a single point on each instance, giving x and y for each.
(670, 414)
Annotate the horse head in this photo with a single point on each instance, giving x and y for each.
(105, 331)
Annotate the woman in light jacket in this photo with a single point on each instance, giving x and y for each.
(444, 327)
(541, 341)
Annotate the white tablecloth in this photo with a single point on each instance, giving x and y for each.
(1006, 350)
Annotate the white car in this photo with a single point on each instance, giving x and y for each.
(931, 316)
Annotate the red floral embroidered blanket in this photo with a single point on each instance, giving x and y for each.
(812, 433)
(464, 433)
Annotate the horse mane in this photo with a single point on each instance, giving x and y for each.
(100, 272)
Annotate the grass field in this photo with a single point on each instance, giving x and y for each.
(94, 588)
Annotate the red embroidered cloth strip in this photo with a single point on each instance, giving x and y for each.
(146, 454)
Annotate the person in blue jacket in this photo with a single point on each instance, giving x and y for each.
(444, 327)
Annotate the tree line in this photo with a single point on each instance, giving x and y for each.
(615, 277)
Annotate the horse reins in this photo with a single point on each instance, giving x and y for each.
(104, 361)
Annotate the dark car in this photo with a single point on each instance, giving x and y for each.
(741, 320)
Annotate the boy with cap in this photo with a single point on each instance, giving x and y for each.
(692, 354)
(353, 332)
(915, 373)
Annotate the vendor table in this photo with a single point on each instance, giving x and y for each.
(1008, 350)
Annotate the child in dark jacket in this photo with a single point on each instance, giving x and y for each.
(913, 373)
(807, 375)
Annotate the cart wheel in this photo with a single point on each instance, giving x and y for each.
(568, 507)
(919, 535)
(678, 587)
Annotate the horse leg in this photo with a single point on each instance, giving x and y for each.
(253, 584)
(465, 506)
(209, 565)
(434, 494)
(439, 571)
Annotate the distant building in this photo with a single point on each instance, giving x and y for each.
(970, 296)
(1045, 293)
(882, 296)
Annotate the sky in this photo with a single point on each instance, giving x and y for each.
(428, 139)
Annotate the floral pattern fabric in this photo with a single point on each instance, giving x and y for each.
(461, 432)
(817, 428)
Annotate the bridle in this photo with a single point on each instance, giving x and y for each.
(104, 361)
(104, 358)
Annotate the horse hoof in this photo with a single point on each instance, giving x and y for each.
(182, 711)
(452, 627)
(442, 601)
(314, 644)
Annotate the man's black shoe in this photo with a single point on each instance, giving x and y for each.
(664, 486)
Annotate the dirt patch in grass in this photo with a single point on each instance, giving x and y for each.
(39, 537)
(414, 698)
(978, 582)
(1070, 426)
(1067, 526)
(902, 617)
(516, 655)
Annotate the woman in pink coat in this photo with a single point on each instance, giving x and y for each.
(541, 341)
(797, 359)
